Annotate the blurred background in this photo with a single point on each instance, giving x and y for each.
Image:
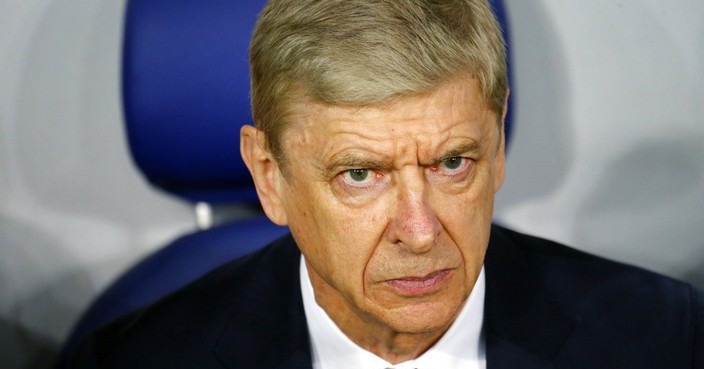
(606, 153)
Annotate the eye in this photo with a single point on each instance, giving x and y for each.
(362, 183)
(358, 175)
(360, 186)
(454, 168)
(453, 163)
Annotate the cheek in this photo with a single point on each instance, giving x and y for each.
(466, 218)
(356, 234)
(337, 240)
(467, 206)
(476, 205)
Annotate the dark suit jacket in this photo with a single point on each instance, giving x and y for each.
(547, 306)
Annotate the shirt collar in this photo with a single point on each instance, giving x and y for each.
(462, 346)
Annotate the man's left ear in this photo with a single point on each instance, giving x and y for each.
(265, 172)
(500, 171)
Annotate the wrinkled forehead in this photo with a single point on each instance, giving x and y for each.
(456, 107)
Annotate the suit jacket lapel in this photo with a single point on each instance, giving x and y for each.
(524, 327)
(270, 311)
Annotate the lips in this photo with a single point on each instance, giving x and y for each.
(414, 286)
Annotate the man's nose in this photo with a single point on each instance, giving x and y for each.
(415, 224)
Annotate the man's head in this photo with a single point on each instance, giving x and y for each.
(377, 143)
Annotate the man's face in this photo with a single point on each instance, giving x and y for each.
(391, 205)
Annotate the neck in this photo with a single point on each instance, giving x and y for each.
(394, 347)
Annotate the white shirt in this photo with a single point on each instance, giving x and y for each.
(462, 346)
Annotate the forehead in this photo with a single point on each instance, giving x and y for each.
(453, 111)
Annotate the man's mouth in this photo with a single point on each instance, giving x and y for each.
(415, 286)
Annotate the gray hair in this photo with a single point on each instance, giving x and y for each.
(365, 52)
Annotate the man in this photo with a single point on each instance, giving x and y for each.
(379, 142)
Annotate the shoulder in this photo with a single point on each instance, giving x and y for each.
(188, 323)
(563, 268)
(644, 313)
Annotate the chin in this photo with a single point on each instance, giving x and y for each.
(421, 318)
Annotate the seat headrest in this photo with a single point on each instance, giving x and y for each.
(186, 94)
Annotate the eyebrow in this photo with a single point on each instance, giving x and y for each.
(460, 150)
(351, 160)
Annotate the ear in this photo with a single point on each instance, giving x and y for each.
(500, 169)
(265, 172)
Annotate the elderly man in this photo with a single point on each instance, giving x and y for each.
(379, 142)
